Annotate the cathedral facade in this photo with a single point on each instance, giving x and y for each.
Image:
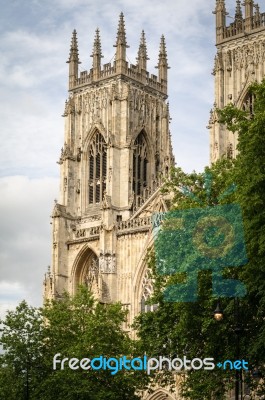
(239, 61)
(117, 149)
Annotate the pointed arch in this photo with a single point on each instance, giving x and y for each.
(91, 133)
(243, 94)
(141, 286)
(160, 394)
(96, 168)
(85, 271)
(141, 164)
(248, 103)
(148, 140)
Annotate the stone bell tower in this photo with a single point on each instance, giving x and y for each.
(117, 149)
(240, 60)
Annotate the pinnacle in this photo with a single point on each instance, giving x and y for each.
(162, 49)
(142, 52)
(97, 45)
(73, 56)
(257, 9)
(74, 45)
(121, 35)
(238, 14)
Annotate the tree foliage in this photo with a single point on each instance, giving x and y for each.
(250, 179)
(78, 327)
(188, 329)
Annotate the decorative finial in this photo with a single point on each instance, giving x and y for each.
(73, 61)
(142, 53)
(121, 44)
(121, 35)
(162, 62)
(238, 13)
(97, 45)
(162, 57)
(257, 15)
(73, 56)
(97, 55)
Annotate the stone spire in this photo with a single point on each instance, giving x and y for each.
(142, 53)
(97, 55)
(220, 12)
(162, 61)
(121, 45)
(73, 61)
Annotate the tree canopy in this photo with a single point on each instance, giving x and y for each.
(188, 328)
(78, 327)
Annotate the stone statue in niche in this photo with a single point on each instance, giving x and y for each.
(92, 276)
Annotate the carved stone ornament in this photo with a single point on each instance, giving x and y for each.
(78, 156)
(69, 107)
(66, 154)
(147, 285)
(91, 278)
(107, 263)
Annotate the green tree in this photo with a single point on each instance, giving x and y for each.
(250, 178)
(78, 327)
(22, 341)
(188, 328)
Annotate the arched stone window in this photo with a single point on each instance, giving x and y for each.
(140, 165)
(97, 169)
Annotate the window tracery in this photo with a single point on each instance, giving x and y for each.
(140, 165)
(97, 165)
(147, 291)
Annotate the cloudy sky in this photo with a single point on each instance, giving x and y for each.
(35, 39)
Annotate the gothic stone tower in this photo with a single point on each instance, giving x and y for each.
(240, 60)
(117, 148)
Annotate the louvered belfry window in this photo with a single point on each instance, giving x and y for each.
(97, 165)
(140, 164)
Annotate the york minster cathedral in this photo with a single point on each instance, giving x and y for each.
(117, 151)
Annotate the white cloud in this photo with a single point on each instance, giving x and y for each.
(25, 209)
(11, 293)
